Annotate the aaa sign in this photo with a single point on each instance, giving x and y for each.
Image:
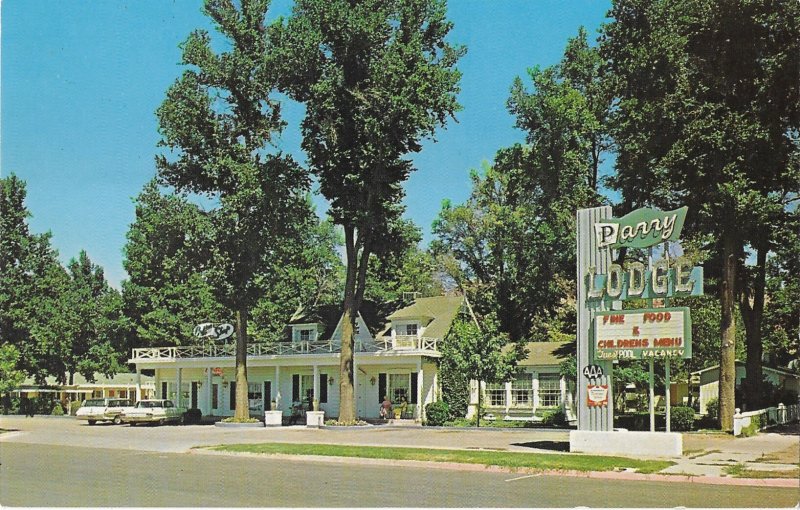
(643, 334)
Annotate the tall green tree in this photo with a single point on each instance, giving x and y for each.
(217, 122)
(706, 114)
(513, 240)
(478, 353)
(10, 375)
(407, 269)
(34, 301)
(168, 250)
(98, 331)
(375, 76)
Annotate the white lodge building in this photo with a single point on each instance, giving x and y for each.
(395, 356)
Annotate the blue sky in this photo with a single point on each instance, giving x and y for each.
(81, 82)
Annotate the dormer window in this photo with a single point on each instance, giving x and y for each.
(305, 335)
(411, 329)
(357, 328)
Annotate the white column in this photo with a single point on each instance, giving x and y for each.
(316, 383)
(420, 379)
(276, 387)
(209, 390)
(178, 395)
(508, 396)
(563, 386)
(436, 386)
(138, 394)
(355, 386)
(535, 392)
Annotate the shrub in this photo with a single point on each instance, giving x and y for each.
(555, 417)
(436, 413)
(232, 419)
(681, 418)
(351, 423)
(74, 406)
(712, 408)
(753, 428)
(193, 415)
(57, 410)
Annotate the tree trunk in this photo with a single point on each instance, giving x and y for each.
(347, 410)
(753, 314)
(727, 362)
(242, 410)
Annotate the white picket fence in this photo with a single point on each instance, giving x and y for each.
(769, 417)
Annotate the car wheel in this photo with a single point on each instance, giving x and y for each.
(182, 420)
(162, 422)
(92, 422)
(117, 420)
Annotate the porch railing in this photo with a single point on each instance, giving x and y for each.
(211, 350)
(408, 342)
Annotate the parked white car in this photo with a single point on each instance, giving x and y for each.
(153, 411)
(102, 409)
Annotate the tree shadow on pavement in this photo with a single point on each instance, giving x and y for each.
(556, 446)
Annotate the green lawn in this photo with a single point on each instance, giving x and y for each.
(741, 471)
(536, 461)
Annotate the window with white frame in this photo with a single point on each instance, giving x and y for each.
(549, 390)
(399, 388)
(496, 394)
(306, 335)
(411, 329)
(522, 390)
(254, 396)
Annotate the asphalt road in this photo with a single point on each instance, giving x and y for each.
(56, 475)
(65, 462)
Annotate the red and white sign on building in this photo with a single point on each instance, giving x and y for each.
(597, 395)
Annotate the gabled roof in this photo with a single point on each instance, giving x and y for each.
(437, 313)
(328, 316)
(546, 353)
(740, 363)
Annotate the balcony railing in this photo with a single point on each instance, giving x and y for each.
(211, 350)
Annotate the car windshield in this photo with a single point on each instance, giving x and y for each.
(146, 404)
(94, 402)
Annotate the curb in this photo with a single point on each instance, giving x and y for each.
(605, 475)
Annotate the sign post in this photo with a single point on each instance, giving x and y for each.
(594, 417)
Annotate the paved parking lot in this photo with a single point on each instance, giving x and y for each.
(180, 438)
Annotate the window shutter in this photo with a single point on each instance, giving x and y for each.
(382, 387)
(414, 387)
(233, 395)
(296, 388)
(164, 390)
(323, 388)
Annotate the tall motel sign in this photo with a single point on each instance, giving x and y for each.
(606, 333)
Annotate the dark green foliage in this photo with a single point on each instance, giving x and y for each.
(217, 124)
(57, 410)
(639, 421)
(712, 409)
(478, 352)
(554, 417)
(436, 414)
(375, 76)
(706, 114)
(753, 428)
(510, 246)
(455, 387)
(681, 418)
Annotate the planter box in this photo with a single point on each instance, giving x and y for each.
(273, 418)
(315, 419)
